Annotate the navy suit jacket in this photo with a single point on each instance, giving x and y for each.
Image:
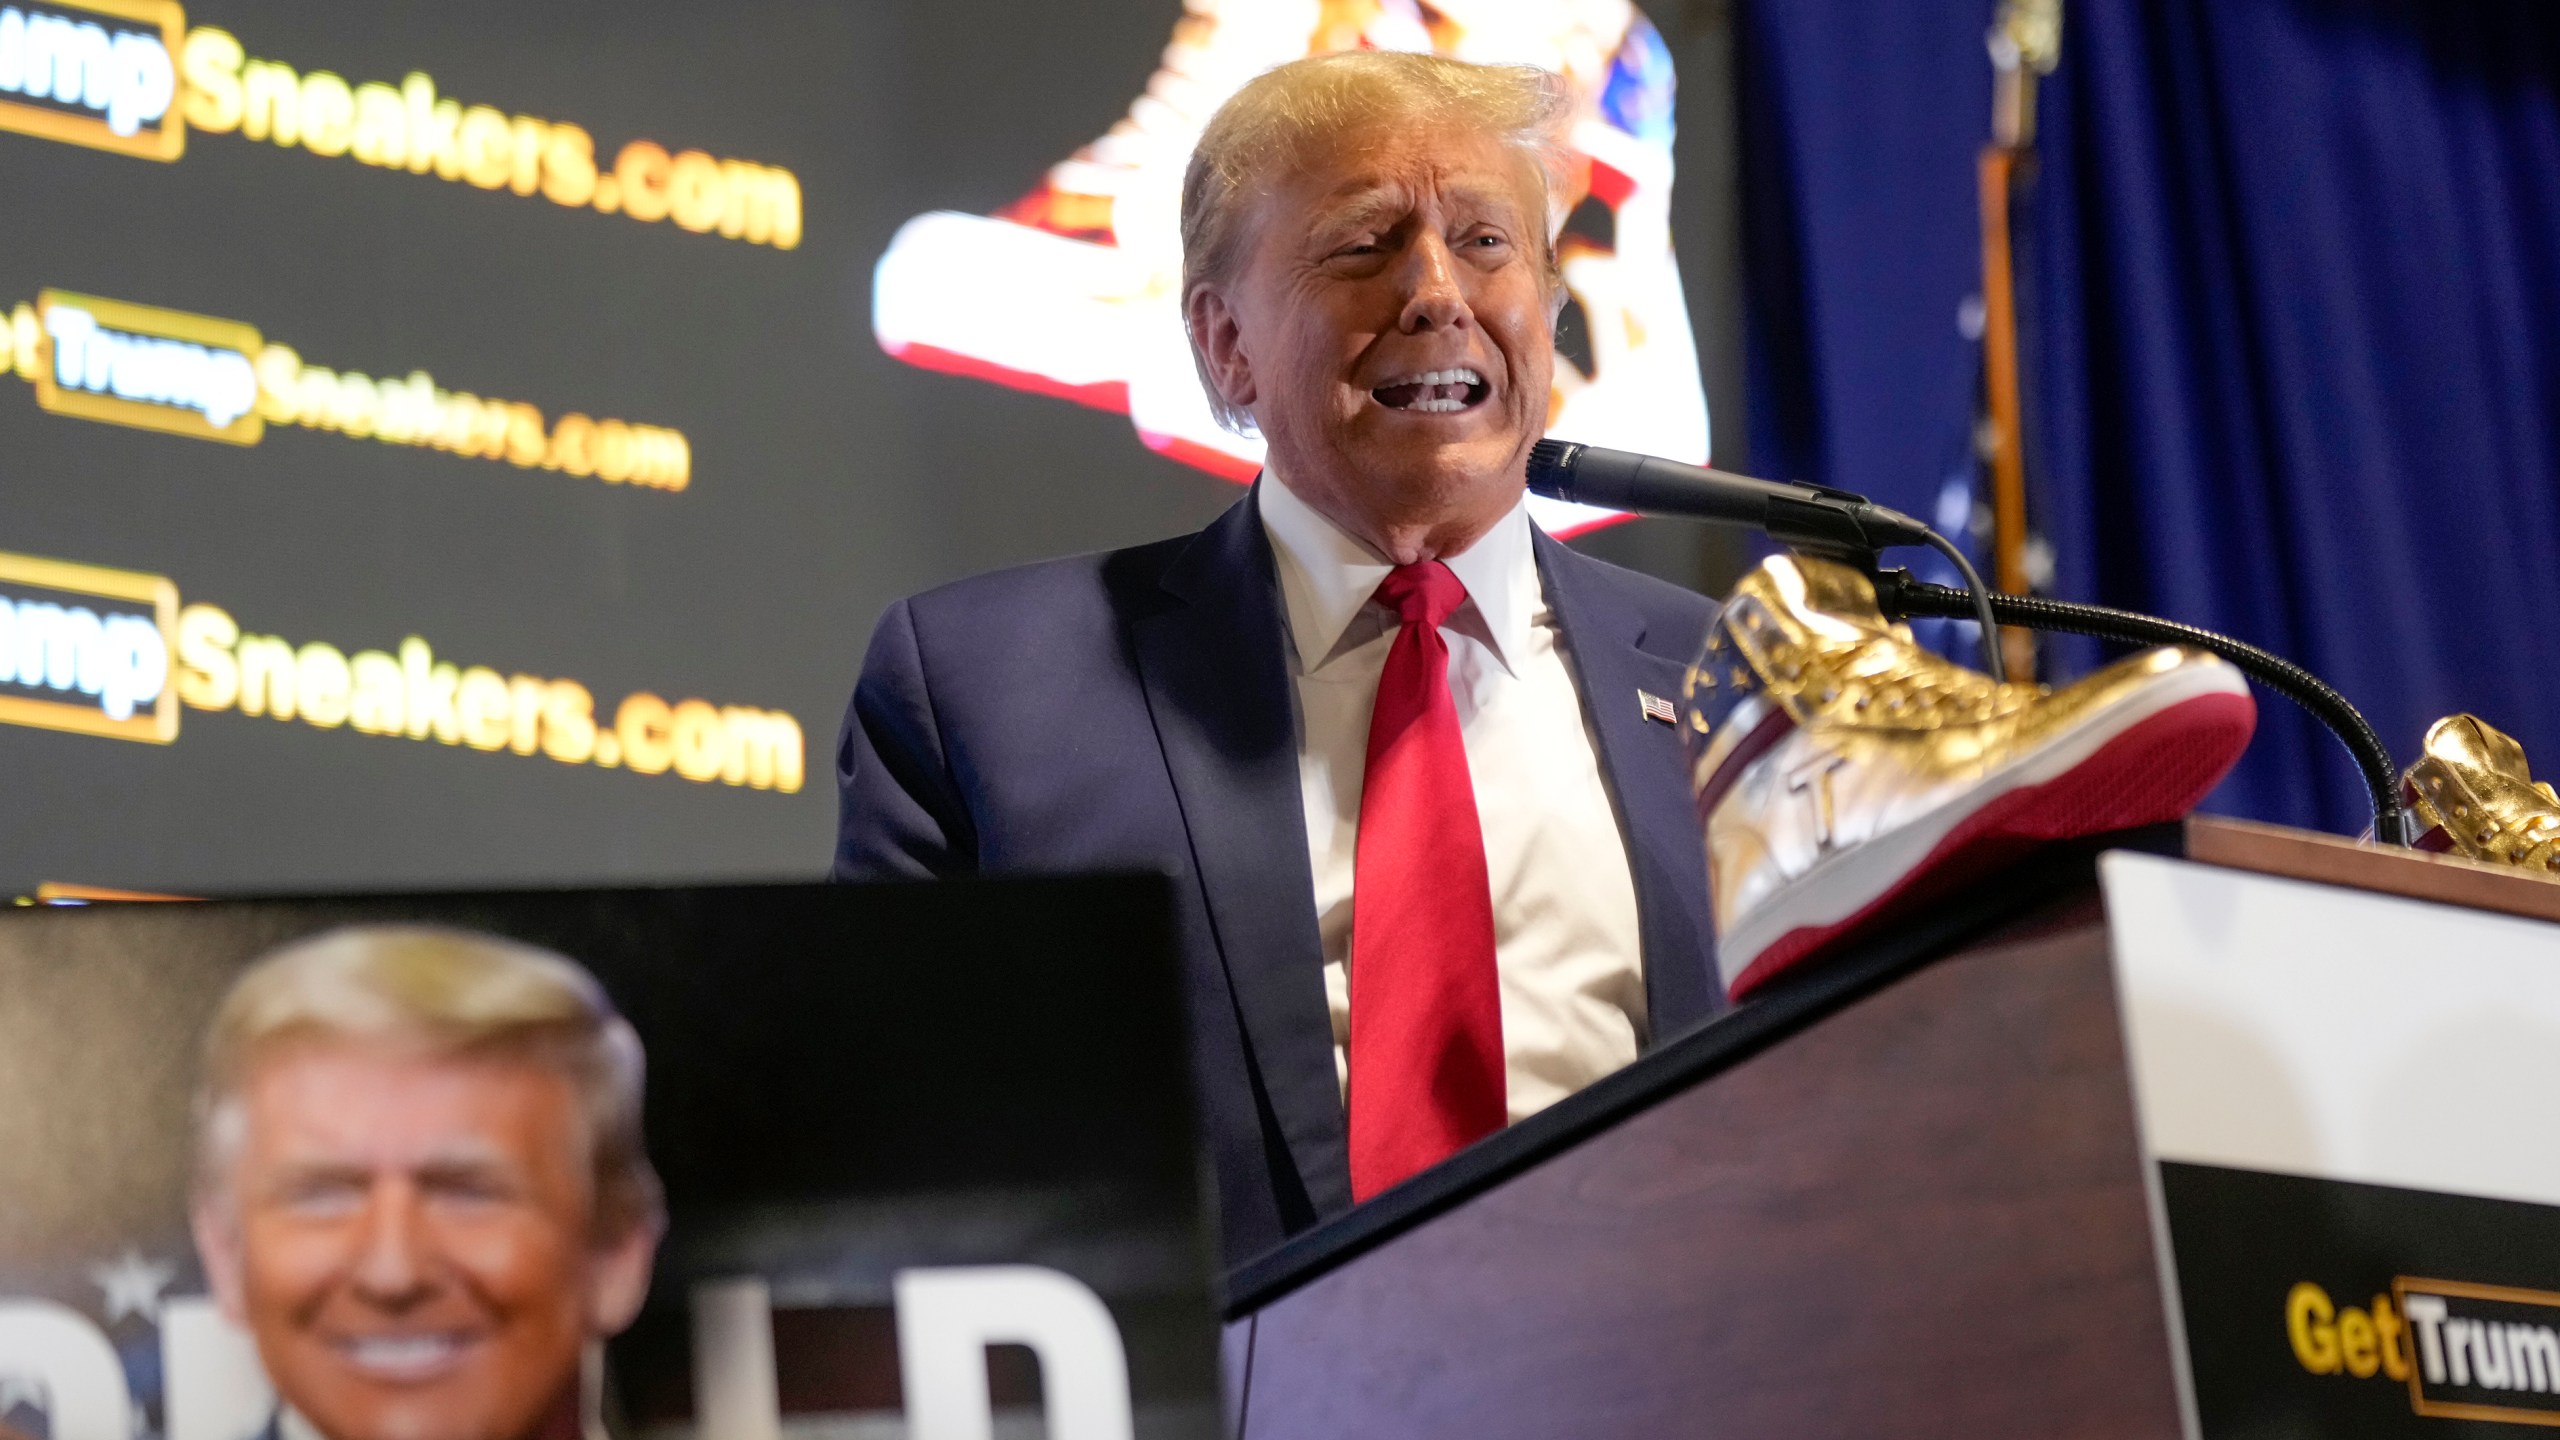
(1134, 710)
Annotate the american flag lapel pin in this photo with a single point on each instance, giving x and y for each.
(1657, 708)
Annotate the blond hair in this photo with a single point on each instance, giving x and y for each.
(1283, 115)
(451, 993)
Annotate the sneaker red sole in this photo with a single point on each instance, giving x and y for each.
(2155, 772)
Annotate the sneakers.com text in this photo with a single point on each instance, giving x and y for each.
(128, 76)
(407, 693)
(215, 379)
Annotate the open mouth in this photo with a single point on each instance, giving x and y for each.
(1434, 392)
(403, 1357)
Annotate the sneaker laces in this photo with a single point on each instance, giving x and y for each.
(1891, 683)
(1870, 675)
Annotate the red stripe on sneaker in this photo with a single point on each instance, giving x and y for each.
(1111, 395)
(2155, 772)
(1202, 457)
(1610, 185)
(1768, 730)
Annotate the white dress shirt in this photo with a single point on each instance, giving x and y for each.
(1565, 935)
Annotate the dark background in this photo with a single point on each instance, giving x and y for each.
(827, 478)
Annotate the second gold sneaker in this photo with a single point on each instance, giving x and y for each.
(2473, 791)
(1845, 774)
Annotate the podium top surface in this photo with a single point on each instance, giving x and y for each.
(2412, 874)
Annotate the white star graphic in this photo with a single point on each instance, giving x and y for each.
(133, 1286)
(16, 1390)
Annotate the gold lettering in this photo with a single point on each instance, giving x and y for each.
(525, 176)
(569, 166)
(316, 397)
(208, 677)
(271, 97)
(613, 451)
(524, 435)
(782, 194)
(765, 749)
(378, 693)
(2307, 1322)
(320, 684)
(434, 128)
(266, 676)
(2356, 1343)
(408, 411)
(700, 749)
(410, 126)
(428, 687)
(696, 194)
(487, 712)
(356, 405)
(569, 445)
(376, 705)
(489, 431)
(762, 204)
(382, 126)
(210, 60)
(30, 338)
(642, 725)
(660, 457)
(525, 694)
(328, 114)
(455, 421)
(2394, 1338)
(279, 384)
(569, 723)
(488, 150)
(641, 171)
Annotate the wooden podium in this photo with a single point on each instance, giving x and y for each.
(1905, 1195)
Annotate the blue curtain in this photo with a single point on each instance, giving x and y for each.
(2301, 375)
(2293, 307)
(1859, 123)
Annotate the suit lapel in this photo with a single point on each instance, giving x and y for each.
(1217, 684)
(1648, 782)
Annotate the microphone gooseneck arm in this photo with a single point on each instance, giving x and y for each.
(1811, 518)
(1900, 595)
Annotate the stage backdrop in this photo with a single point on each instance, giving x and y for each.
(471, 442)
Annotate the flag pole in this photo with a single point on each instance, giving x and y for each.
(2025, 43)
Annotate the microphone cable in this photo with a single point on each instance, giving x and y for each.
(1900, 595)
(1978, 597)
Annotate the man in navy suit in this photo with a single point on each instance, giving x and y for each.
(1373, 675)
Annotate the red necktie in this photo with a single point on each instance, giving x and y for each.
(1426, 1011)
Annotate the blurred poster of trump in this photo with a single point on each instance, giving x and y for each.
(420, 1183)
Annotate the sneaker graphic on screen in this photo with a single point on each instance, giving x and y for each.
(1073, 290)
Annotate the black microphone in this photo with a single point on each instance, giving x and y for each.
(1809, 516)
(1804, 517)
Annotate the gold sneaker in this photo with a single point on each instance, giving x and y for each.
(1844, 774)
(2473, 792)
